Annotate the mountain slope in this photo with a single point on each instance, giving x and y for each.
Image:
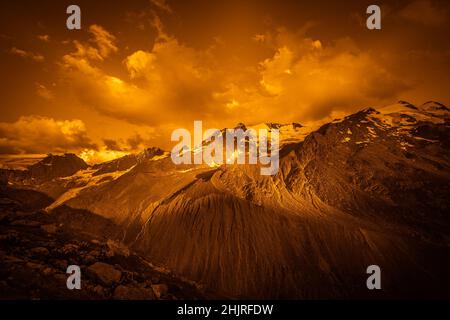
(371, 188)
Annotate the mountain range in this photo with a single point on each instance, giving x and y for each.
(370, 188)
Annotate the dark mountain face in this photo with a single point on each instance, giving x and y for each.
(371, 188)
(120, 164)
(369, 167)
(55, 166)
(47, 169)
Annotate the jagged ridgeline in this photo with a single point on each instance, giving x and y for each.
(371, 188)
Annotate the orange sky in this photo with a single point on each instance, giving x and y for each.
(139, 69)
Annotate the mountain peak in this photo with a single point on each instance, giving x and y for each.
(433, 106)
(241, 125)
(275, 125)
(52, 158)
(407, 104)
(54, 166)
(149, 153)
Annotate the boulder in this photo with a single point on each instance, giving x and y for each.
(50, 228)
(48, 271)
(69, 249)
(105, 273)
(34, 265)
(116, 249)
(99, 290)
(60, 264)
(11, 259)
(39, 251)
(160, 290)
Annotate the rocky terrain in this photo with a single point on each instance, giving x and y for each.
(36, 248)
(371, 188)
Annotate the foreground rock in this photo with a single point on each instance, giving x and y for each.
(106, 273)
(35, 256)
(160, 290)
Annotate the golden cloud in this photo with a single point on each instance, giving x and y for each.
(44, 37)
(92, 156)
(172, 84)
(104, 40)
(162, 5)
(308, 81)
(44, 92)
(40, 135)
(27, 54)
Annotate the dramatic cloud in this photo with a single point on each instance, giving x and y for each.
(44, 37)
(37, 135)
(162, 5)
(112, 145)
(92, 156)
(104, 40)
(43, 92)
(27, 54)
(107, 94)
(172, 84)
(134, 143)
(112, 149)
(176, 79)
(103, 45)
(307, 80)
(148, 68)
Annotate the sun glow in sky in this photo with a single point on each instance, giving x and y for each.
(139, 69)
